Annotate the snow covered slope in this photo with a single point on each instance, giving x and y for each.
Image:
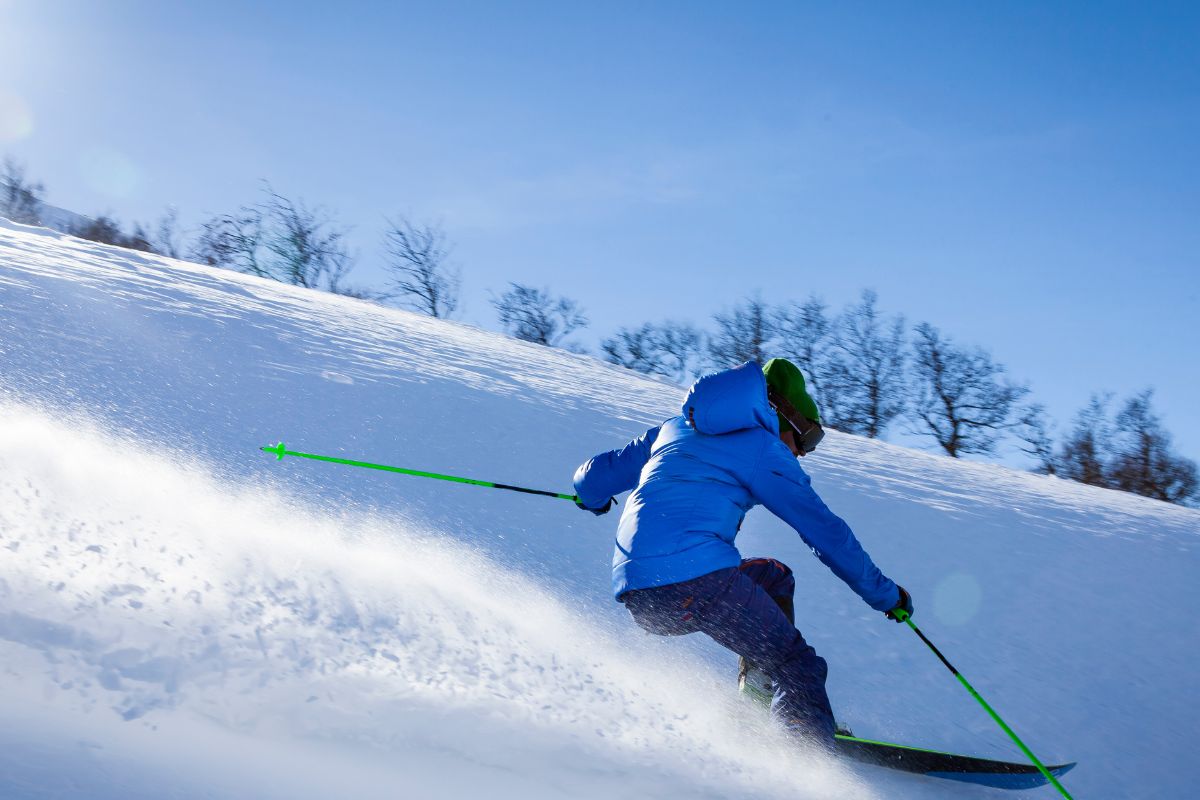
(181, 615)
(53, 217)
(60, 219)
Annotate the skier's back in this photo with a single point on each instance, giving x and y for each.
(694, 477)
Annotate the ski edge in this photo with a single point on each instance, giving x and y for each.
(968, 769)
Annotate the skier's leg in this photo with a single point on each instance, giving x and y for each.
(740, 615)
(776, 580)
(743, 617)
(663, 610)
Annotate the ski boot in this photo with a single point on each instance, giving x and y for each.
(755, 684)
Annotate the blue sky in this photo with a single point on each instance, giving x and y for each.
(1023, 176)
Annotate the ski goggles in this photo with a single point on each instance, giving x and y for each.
(808, 437)
(807, 433)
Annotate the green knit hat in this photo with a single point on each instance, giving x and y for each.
(785, 377)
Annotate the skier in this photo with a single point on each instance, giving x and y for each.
(694, 477)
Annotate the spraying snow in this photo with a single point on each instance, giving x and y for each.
(140, 586)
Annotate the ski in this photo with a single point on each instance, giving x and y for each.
(951, 766)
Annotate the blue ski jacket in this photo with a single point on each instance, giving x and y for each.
(694, 478)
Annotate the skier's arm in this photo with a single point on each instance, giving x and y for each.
(616, 471)
(785, 489)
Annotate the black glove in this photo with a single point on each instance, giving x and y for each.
(598, 511)
(905, 605)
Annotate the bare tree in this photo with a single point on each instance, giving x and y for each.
(420, 277)
(746, 333)
(1143, 462)
(803, 331)
(20, 199)
(962, 398)
(279, 239)
(106, 230)
(139, 240)
(361, 293)
(1033, 433)
(167, 240)
(234, 241)
(1083, 453)
(633, 348)
(307, 249)
(533, 315)
(103, 229)
(683, 347)
(864, 385)
(671, 349)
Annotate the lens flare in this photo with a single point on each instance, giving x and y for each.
(109, 172)
(16, 118)
(956, 599)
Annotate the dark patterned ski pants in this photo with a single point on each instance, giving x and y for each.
(748, 610)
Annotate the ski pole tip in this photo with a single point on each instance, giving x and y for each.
(276, 450)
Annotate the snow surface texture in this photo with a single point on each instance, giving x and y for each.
(138, 590)
(183, 616)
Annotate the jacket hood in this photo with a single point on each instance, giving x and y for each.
(732, 400)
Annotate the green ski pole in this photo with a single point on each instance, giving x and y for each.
(279, 451)
(906, 618)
